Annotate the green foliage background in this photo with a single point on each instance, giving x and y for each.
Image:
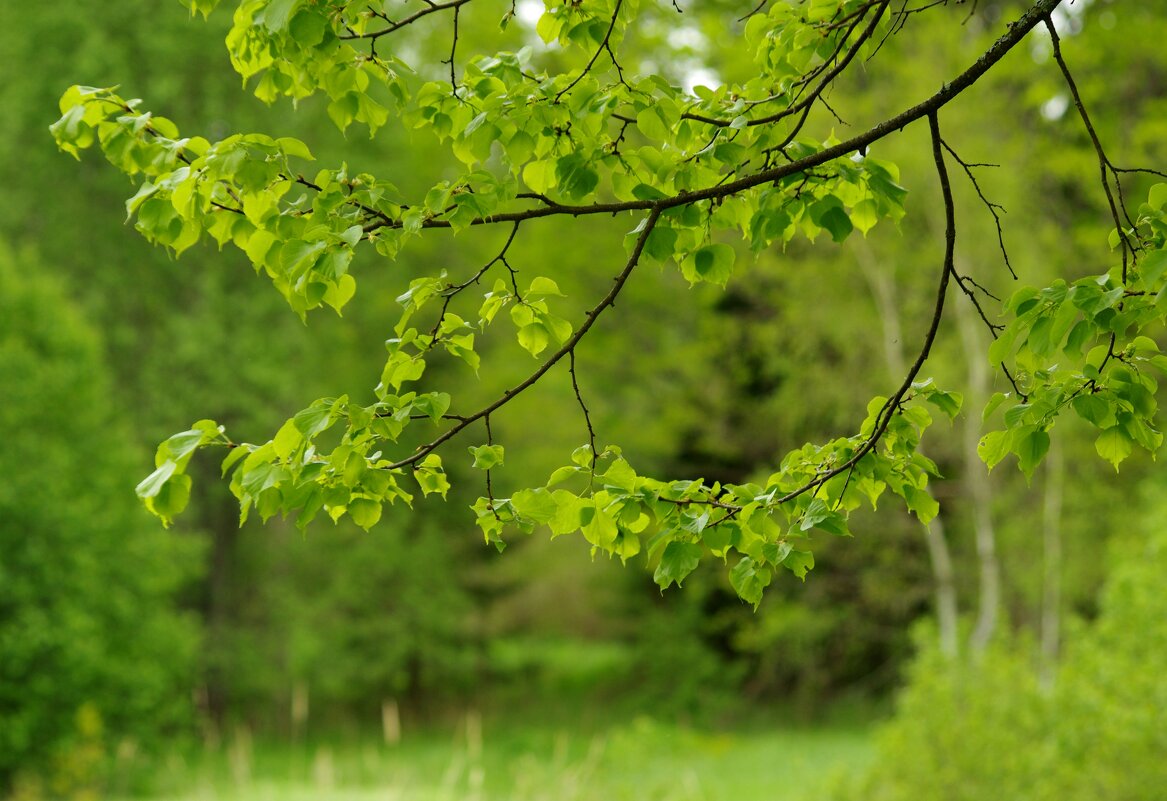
(991, 729)
(108, 345)
(92, 649)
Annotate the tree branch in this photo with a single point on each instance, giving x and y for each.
(1015, 34)
(883, 419)
(412, 18)
(1104, 165)
(805, 104)
(568, 347)
(604, 45)
(583, 407)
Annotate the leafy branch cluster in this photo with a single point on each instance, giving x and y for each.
(595, 139)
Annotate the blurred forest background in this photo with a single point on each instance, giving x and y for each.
(1024, 631)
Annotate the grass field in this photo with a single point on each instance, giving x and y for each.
(641, 760)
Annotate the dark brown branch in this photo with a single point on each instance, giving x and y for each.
(1104, 165)
(567, 348)
(1015, 34)
(453, 50)
(803, 106)
(587, 417)
(451, 291)
(231, 209)
(883, 419)
(892, 405)
(396, 26)
(489, 485)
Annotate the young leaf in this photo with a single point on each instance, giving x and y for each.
(487, 456)
(749, 580)
(1113, 445)
(1031, 445)
(365, 512)
(678, 561)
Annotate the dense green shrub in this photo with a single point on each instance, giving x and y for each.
(1111, 704)
(92, 651)
(984, 728)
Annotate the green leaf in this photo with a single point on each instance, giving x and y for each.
(1081, 334)
(652, 125)
(799, 563)
(152, 484)
(947, 402)
(313, 420)
(278, 13)
(539, 176)
(711, 263)
(568, 513)
(365, 512)
(661, 244)
(542, 286)
(537, 504)
(562, 474)
(620, 475)
(1094, 409)
(1157, 197)
(836, 221)
(718, 538)
(598, 526)
(1015, 415)
(171, 499)
(921, 503)
(487, 456)
(430, 476)
(308, 28)
(1003, 346)
(1113, 445)
(534, 338)
(1031, 445)
(1152, 267)
(1065, 319)
(233, 456)
(294, 147)
(994, 447)
(575, 176)
(749, 580)
(993, 404)
(433, 405)
(678, 561)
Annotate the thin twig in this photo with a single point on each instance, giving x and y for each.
(587, 417)
(453, 50)
(604, 45)
(1015, 34)
(990, 205)
(396, 26)
(567, 348)
(489, 486)
(1104, 165)
(883, 419)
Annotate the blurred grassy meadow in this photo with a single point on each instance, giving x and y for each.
(219, 661)
(641, 760)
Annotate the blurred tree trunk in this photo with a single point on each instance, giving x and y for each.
(883, 290)
(976, 477)
(218, 611)
(1051, 583)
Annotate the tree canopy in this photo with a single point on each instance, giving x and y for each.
(574, 125)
